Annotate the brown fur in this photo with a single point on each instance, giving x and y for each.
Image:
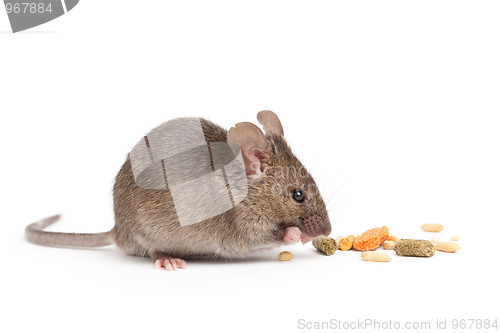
(146, 222)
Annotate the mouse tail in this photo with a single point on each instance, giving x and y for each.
(35, 234)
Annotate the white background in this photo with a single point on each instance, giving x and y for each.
(393, 106)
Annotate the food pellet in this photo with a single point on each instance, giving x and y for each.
(455, 237)
(389, 245)
(338, 239)
(285, 256)
(325, 244)
(371, 239)
(346, 243)
(432, 227)
(447, 247)
(435, 239)
(415, 248)
(393, 238)
(375, 256)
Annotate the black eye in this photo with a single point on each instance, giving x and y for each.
(298, 195)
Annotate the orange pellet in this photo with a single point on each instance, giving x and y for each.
(371, 239)
(346, 243)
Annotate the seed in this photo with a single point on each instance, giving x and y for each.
(447, 247)
(325, 244)
(393, 238)
(389, 245)
(285, 256)
(432, 227)
(435, 239)
(415, 248)
(338, 239)
(375, 256)
(346, 243)
(455, 237)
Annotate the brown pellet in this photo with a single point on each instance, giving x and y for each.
(415, 248)
(325, 244)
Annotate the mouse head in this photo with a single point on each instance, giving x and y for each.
(280, 189)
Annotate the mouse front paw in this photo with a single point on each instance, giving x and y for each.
(166, 262)
(292, 235)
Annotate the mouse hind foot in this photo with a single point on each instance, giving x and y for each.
(167, 262)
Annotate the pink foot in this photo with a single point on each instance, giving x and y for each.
(168, 263)
(292, 235)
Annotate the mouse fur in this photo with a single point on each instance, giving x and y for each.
(146, 222)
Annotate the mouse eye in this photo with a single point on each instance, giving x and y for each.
(298, 195)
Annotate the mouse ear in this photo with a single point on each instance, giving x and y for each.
(252, 143)
(270, 122)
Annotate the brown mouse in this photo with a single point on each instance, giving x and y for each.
(250, 193)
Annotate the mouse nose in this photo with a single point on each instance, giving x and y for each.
(315, 225)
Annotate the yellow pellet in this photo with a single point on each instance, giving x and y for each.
(432, 227)
(447, 247)
(394, 238)
(389, 245)
(346, 243)
(285, 256)
(375, 256)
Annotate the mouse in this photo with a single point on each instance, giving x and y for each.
(190, 188)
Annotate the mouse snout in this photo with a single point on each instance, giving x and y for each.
(314, 225)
